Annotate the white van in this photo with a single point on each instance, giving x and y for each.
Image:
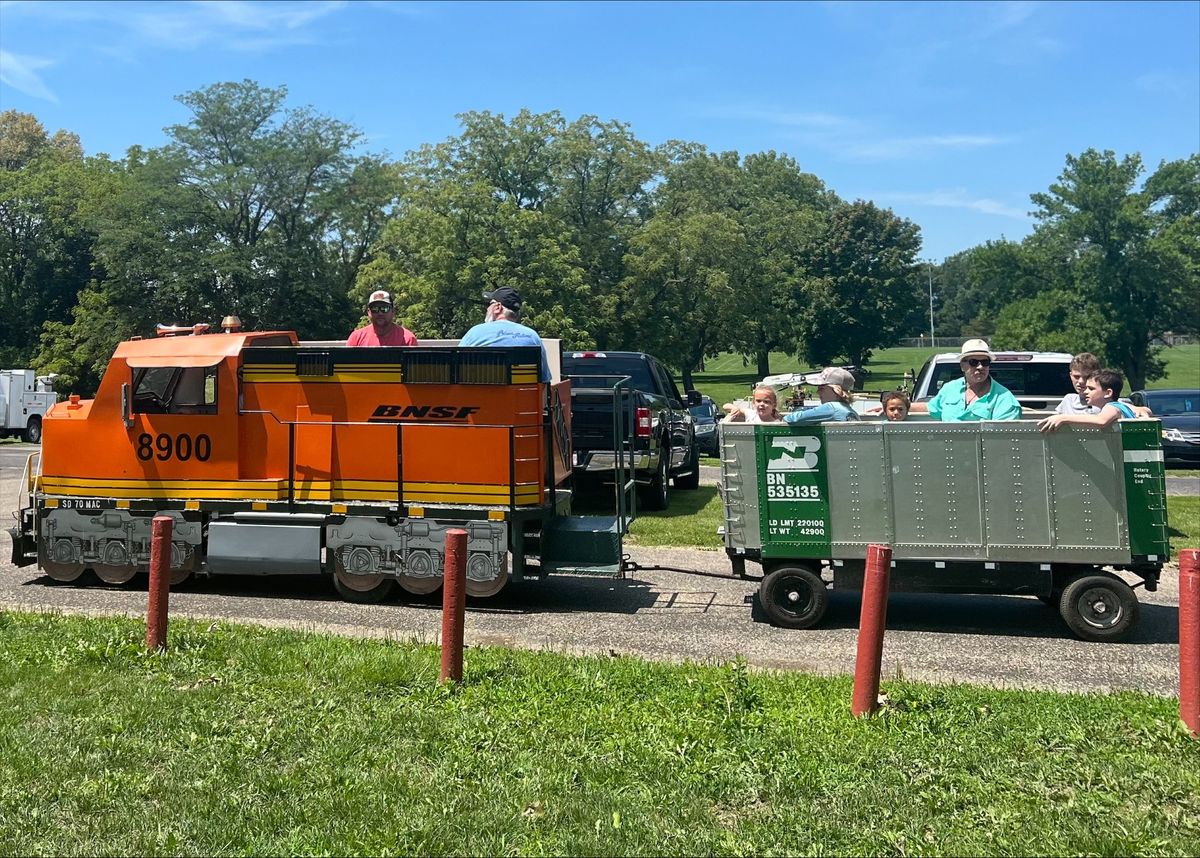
(1039, 380)
(24, 398)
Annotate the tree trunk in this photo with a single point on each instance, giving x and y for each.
(764, 363)
(687, 380)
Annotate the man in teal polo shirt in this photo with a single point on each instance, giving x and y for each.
(975, 396)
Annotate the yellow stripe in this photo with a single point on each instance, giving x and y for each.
(471, 500)
(469, 488)
(211, 489)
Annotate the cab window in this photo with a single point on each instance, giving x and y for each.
(175, 390)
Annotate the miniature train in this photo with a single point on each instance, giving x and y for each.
(276, 457)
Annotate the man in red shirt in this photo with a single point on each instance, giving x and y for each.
(383, 330)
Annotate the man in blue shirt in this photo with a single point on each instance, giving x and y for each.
(501, 328)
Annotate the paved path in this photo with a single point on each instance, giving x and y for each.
(671, 616)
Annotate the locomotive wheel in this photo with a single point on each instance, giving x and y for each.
(360, 589)
(64, 573)
(483, 589)
(1099, 607)
(116, 568)
(60, 563)
(793, 597)
(115, 575)
(419, 585)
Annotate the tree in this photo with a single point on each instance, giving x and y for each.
(1131, 256)
(534, 203)
(45, 242)
(863, 287)
(251, 209)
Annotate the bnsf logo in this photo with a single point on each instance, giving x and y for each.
(430, 412)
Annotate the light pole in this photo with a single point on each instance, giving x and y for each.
(932, 342)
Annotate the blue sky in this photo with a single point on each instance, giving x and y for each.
(950, 114)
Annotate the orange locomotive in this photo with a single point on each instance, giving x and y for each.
(279, 457)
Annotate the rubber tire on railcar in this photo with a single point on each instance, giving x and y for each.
(793, 597)
(1099, 607)
(657, 495)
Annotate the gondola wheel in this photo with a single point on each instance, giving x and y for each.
(794, 597)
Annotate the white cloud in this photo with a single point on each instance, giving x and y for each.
(896, 148)
(252, 27)
(956, 198)
(852, 139)
(1161, 83)
(21, 73)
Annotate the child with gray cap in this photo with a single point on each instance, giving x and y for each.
(834, 386)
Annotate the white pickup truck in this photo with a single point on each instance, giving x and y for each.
(24, 398)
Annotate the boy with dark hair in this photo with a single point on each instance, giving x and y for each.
(1101, 392)
(1082, 366)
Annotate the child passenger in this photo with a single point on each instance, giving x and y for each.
(834, 386)
(765, 408)
(1101, 392)
(895, 404)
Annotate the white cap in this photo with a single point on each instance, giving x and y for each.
(976, 348)
(379, 297)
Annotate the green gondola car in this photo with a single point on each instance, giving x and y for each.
(991, 507)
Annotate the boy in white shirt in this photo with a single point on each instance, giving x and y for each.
(1101, 391)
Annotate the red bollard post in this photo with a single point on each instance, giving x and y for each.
(870, 630)
(1189, 639)
(454, 603)
(160, 582)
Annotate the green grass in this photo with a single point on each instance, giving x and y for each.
(728, 376)
(693, 519)
(1183, 515)
(243, 740)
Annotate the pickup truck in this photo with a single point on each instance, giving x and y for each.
(660, 443)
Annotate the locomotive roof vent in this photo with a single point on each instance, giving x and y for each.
(231, 324)
(179, 330)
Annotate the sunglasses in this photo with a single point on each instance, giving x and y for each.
(975, 362)
(380, 308)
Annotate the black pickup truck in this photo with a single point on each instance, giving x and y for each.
(655, 424)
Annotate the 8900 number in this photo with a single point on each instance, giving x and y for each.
(165, 446)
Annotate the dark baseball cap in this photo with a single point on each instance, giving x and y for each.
(506, 296)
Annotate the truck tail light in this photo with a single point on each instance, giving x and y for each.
(642, 429)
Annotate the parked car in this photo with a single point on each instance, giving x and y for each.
(705, 416)
(1179, 410)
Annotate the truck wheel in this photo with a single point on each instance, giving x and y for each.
(793, 597)
(690, 480)
(33, 432)
(656, 496)
(1099, 607)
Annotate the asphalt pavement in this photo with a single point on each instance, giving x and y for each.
(702, 615)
